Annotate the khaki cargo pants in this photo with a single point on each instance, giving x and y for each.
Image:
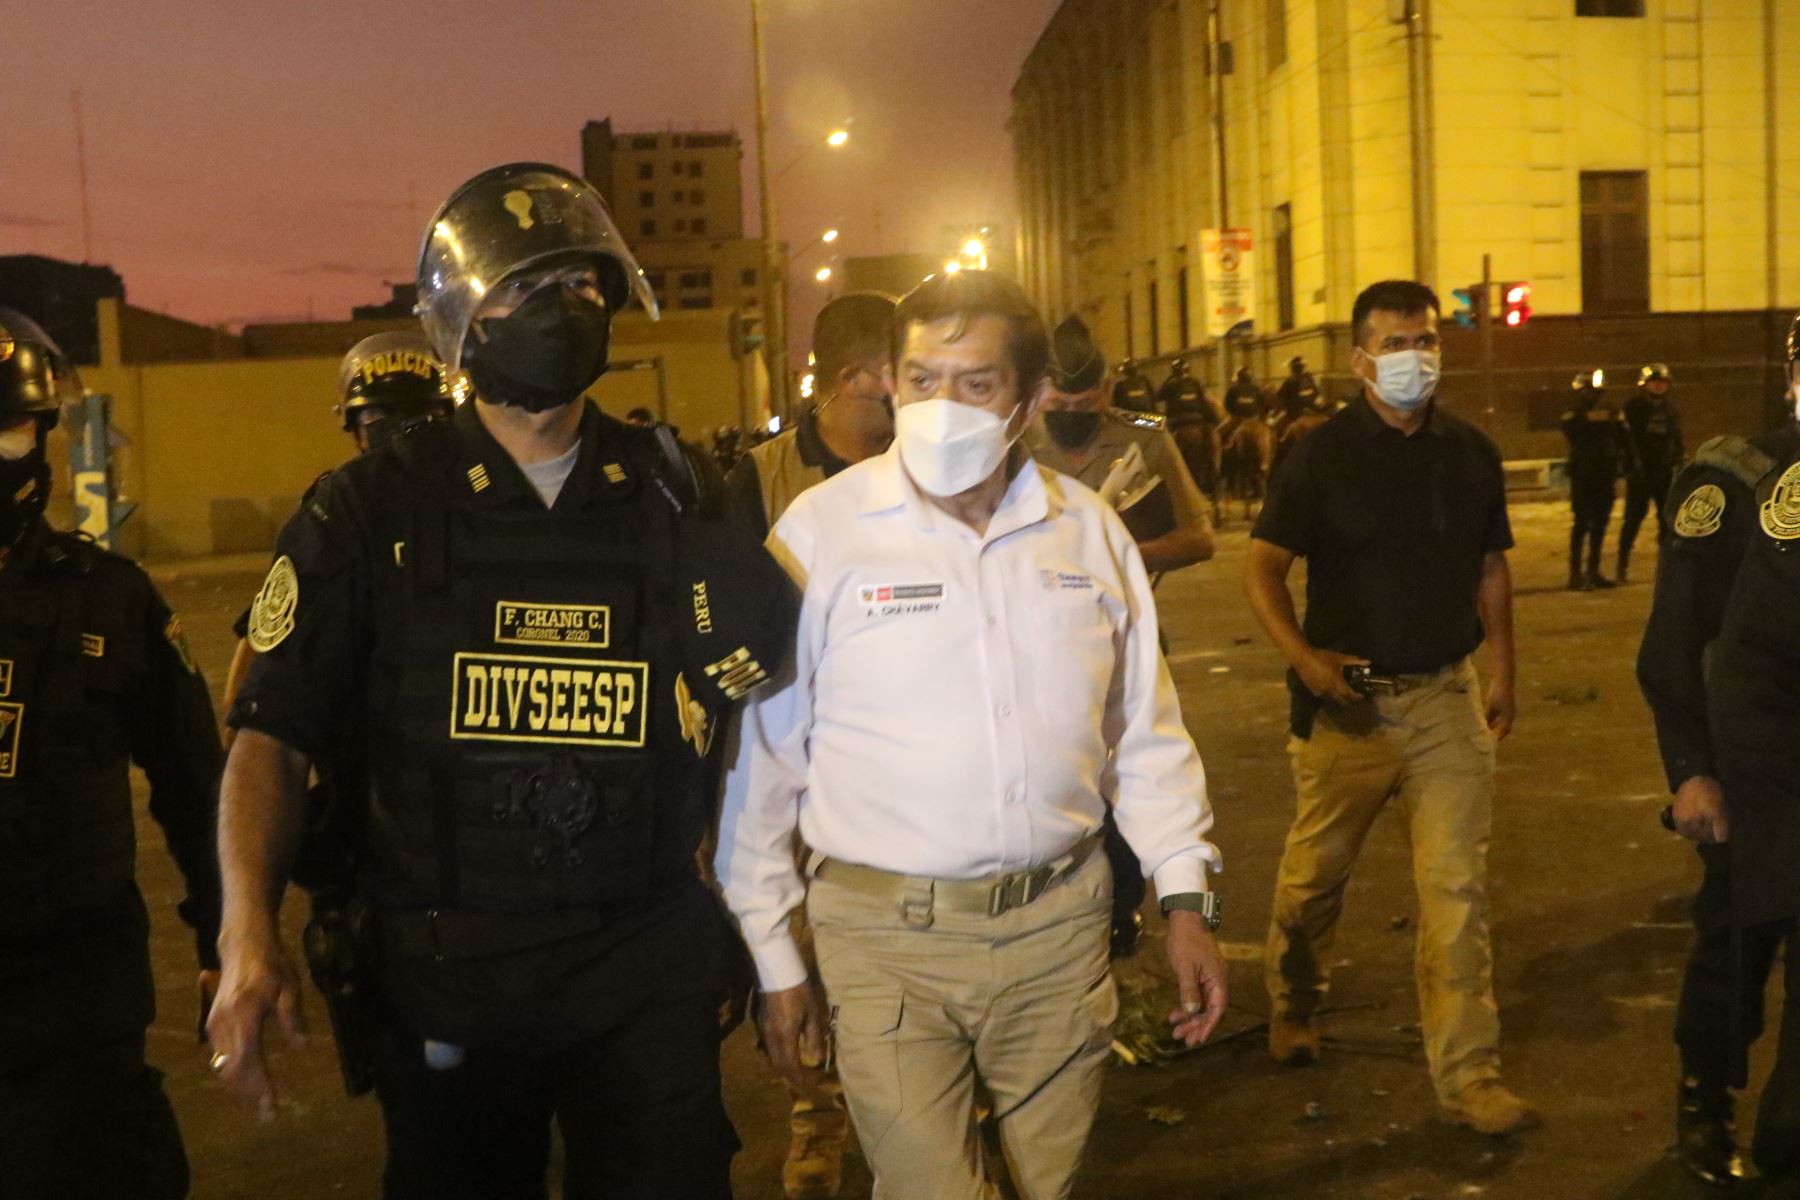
(1428, 750)
(926, 1003)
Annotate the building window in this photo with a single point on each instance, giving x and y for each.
(1274, 32)
(1154, 315)
(1181, 302)
(698, 225)
(643, 143)
(1615, 242)
(1284, 266)
(647, 199)
(694, 300)
(680, 224)
(749, 277)
(654, 279)
(1609, 8)
(696, 279)
(647, 228)
(696, 197)
(696, 168)
(646, 170)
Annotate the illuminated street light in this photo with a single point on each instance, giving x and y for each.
(823, 274)
(952, 267)
(837, 138)
(830, 235)
(973, 248)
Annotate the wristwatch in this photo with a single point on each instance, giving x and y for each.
(1207, 904)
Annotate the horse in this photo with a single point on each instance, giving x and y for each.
(1246, 449)
(1295, 428)
(1198, 441)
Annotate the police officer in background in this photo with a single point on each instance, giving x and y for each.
(1717, 666)
(94, 675)
(1596, 439)
(1653, 435)
(1131, 390)
(1179, 391)
(1298, 393)
(386, 383)
(526, 621)
(1244, 398)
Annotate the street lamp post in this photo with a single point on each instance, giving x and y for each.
(774, 273)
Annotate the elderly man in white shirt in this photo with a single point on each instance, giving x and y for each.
(976, 678)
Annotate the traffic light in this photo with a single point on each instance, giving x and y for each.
(1515, 304)
(1473, 299)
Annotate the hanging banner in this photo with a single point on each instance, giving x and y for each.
(1228, 281)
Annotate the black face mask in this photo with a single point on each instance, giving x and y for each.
(543, 354)
(24, 490)
(1071, 427)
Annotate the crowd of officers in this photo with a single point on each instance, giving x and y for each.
(501, 835)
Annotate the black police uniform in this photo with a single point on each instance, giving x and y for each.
(1131, 390)
(1595, 440)
(1244, 399)
(1180, 392)
(534, 694)
(1297, 394)
(1653, 435)
(95, 674)
(1716, 667)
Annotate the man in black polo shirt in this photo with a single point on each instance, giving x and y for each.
(854, 419)
(1399, 509)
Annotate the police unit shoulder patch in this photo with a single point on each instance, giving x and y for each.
(1781, 511)
(272, 613)
(12, 716)
(572, 701)
(1701, 514)
(93, 645)
(737, 674)
(6, 672)
(521, 621)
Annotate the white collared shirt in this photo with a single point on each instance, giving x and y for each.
(960, 704)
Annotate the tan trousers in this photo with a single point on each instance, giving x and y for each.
(927, 1002)
(1427, 749)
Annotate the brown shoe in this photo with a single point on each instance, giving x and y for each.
(1489, 1107)
(1293, 1042)
(814, 1169)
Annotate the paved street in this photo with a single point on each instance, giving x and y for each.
(1589, 904)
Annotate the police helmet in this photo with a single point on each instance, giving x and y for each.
(1178, 367)
(1594, 379)
(511, 219)
(1076, 364)
(1296, 363)
(36, 377)
(1654, 372)
(396, 373)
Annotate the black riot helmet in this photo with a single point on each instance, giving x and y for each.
(1654, 373)
(1076, 364)
(1592, 380)
(36, 380)
(499, 242)
(1178, 367)
(391, 380)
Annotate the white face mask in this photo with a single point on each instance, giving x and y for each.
(18, 443)
(1406, 379)
(948, 447)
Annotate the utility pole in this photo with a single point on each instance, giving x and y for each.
(1485, 319)
(1222, 62)
(1417, 18)
(774, 298)
(87, 222)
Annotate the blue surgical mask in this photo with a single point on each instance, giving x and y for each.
(1406, 379)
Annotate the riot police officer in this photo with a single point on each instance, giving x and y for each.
(1717, 668)
(1179, 392)
(1298, 393)
(1653, 438)
(1596, 442)
(94, 674)
(526, 622)
(1132, 390)
(1244, 398)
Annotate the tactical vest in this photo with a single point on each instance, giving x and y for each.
(67, 842)
(532, 747)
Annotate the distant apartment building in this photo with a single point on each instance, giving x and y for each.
(1635, 161)
(678, 198)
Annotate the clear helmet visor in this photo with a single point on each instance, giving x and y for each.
(509, 221)
(35, 375)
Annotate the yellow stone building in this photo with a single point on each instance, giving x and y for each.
(1635, 160)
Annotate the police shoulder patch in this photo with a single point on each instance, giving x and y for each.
(1701, 514)
(1781, 511)
(1138, 420)
(272, 613)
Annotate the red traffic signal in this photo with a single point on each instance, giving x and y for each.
(1515, 304)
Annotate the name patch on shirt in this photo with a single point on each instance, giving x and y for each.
(557, 624)
(1067, 581)
(11, 717)
(893, 599)
(522, 698)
